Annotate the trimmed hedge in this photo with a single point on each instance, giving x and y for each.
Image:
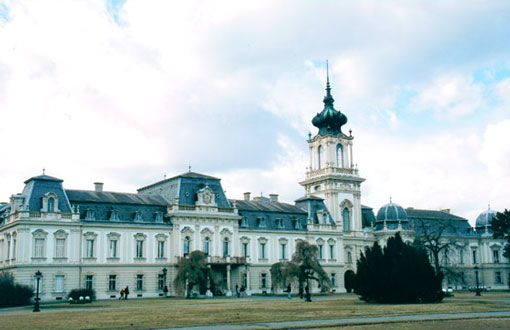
(75, 294)
(13, 294)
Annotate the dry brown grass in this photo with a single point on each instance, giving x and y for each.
(165, 313)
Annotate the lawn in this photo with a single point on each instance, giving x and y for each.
(171, 312)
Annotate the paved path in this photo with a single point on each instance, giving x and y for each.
(349, 321)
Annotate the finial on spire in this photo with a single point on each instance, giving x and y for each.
(489, 207)
(43, 171)
(390, 199)
(189, 168)
(328, 86)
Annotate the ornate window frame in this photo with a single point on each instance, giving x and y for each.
(161, 238)
(332, 252)
(140, 255)
(90, 236)
(60, 234)
(263, 242)
(39, 234)
(45, 200)
(112, 236)
(346, 204)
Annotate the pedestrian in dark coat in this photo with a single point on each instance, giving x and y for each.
(126, 292)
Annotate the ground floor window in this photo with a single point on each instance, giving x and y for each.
(263, 280)
(59, 283)
(112, 283)
(88, 282)
(333, 280)
(161, 281)
(497, 278)
(139, 282)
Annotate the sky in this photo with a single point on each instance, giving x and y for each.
(127, 92)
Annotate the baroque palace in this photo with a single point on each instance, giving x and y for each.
(108, 240)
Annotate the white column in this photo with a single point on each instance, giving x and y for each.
(351, 159)
(228, 277)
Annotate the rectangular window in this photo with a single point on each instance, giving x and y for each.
(333, 280)
(475, 260)
(161, 281)
(14, 248)
(321, 251)
(161, 249)
(39, 248)
(245, 250)
(89, 250)
(461, 257)
(495, 256)
(139, 249)
(88, 281)
(59, 283)
(8, 250)
(60, 248)
(331, 252)
(112, 282)
(349, 257)
(139, 282)
(263, 280)
(497, 278)
(262, 250)
(113, 248)
(283, 248)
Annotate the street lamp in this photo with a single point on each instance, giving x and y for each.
(477, 282)
(165, 290)
(38, 277)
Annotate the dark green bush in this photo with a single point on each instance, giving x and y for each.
(13, 294)
(399, 273)
(75, 294)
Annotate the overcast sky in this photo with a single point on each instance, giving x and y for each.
(126, 92)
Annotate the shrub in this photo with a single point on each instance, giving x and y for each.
(13, 294)
(399, 273)
(75, 294)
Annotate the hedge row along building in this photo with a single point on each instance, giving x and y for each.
(107, 240)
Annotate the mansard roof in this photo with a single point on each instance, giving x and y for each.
(267, 206)
(190, 175)
(44, 177)
(39, 186)
(91, 196)
(436, 220)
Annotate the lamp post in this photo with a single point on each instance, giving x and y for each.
(38, 277)
(165, 290)
(477, 282)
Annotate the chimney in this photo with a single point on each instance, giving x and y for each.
(247, 196)
(273, 198)
(98, 186)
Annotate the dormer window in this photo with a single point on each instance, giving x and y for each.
(158, 217)
(90, 214)
(296, 224)
(279, 223)
(261, 222)
(244, 222)
(324, 218)
(138, 216)
(51, 204)
(114, 215)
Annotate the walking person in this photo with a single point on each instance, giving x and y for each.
(126, 292)
(289, 291)
(165, 290)
(238, 294)
(307, 293)
(121, 294)
(243, 290)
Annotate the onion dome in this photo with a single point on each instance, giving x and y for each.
(329, 120)
(391, 212)
(484, 219)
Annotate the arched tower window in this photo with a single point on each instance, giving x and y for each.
(225, 247)
(345, 216)
(206, 245)
(51, 204)
(339, 156)
(186, 245)
(320, 155)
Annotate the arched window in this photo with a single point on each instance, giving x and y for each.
(339, 156)
(186, 245)
(321, 157)
(51, 204)
(345, 216)
(206, 245)
(225, 247)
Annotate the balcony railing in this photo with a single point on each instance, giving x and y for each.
(332, 170)
(217, 260)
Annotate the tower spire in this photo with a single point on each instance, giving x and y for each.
(328, 86)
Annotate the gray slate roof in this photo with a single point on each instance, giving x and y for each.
(91, 196)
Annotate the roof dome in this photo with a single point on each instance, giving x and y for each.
(329, 120)
(391, 212)
(485, 217)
